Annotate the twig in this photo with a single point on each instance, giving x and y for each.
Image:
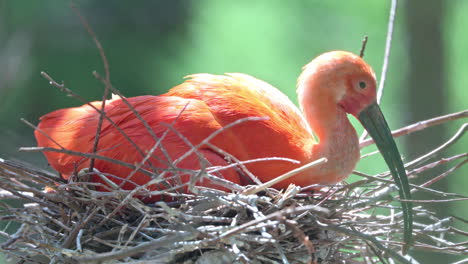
(420, 126)
(363, 46)
(437, 201)
(372, 239)
(445, 174)
(139, 117)
(388, 45)
(85, 155)
(431, 153)
(283, 177)
(131, 251)
(437, 163)
(69, 92)
(74, 232)
(42, 132)
(91, 33)
(217, 132)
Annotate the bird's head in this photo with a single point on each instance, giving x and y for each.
(341, 78)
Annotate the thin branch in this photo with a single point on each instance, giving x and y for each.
(445, 174)
(217, 132)
(42, 132)
(388, 45)
(363, 46)
(458, 135)
(85, 155)
(139, 117)
(287, 175)
(131, 251)
(420, 126)
(437, 201)
(69, 92)
(88, 28)
(437, 163)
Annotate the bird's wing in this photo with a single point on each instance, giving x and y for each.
(75, 129)
(235, 96)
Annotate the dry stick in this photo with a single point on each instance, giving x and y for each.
(130, 194)
(108, 86)
(280, 214)
(420, 126)
(102, 113)
(450, 142)
(74, 232)
(363, 46)
(458, 135)
(443, 175)
(283, 177)
(88, 28)
(153, 149)
(62, 88)
(131, 251)
(40, 131)
(388, 45)
(437, 201)
(371, 178)
(139, 117)
(232, 165)
(34, 174)
(137, 230)
(23, 193)
(385, 193)
(200, 157)
(85, 155)
(26, 192)
(118, 208)
(149, 154)
(369, 238)
(421, 169)
(437, 163)
(217, 132)
(237, 162)
(219, 168)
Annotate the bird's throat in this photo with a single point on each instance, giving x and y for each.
(338, 142)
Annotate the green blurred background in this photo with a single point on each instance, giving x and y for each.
(152, 45)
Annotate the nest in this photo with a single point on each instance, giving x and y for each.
(74, 223)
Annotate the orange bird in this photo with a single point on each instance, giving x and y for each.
(332, 85)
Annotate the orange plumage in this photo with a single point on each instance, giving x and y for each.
(327, 89)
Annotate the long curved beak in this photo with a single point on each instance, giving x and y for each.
(374, 122)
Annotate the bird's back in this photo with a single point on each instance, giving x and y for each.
(283, 133)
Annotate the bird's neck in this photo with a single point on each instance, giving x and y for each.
(329, 122)
(338, 141)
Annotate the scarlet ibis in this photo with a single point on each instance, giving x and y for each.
(330, 86)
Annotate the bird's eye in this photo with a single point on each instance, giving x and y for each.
(362, 84)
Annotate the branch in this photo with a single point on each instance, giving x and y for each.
(420, 126)
(91, 33)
